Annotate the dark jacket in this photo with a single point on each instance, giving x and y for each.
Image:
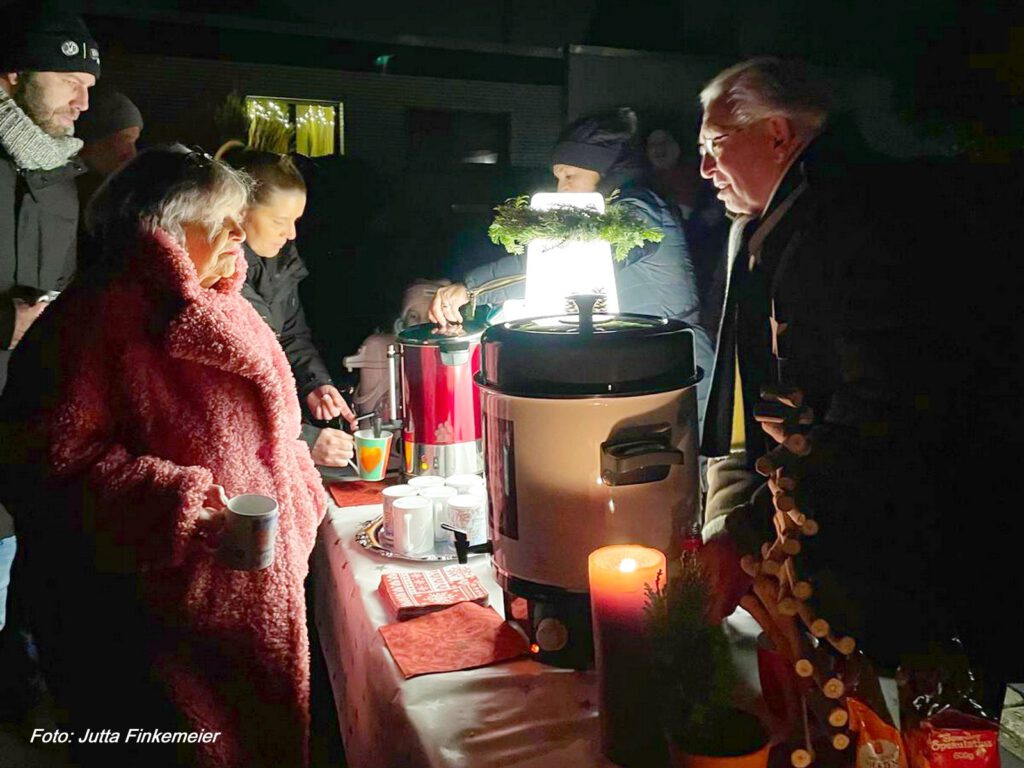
(659, 279)
(272, 287)
(37, 243)
(861, 277)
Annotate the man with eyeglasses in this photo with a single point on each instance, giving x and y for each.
(831, 332)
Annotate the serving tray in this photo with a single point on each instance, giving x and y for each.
(370, 537)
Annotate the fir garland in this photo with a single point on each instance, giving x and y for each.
(516, 224)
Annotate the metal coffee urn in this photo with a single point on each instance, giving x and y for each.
(440, 403)
(590, 438)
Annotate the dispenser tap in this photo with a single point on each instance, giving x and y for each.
(463, 549)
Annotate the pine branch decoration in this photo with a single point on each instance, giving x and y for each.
(516, 224)
(692, 658)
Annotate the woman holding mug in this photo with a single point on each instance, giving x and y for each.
(163, 392)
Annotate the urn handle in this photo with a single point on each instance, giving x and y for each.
(635, 461)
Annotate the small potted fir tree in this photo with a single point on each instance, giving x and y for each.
(694, 669)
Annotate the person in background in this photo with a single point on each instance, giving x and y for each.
(48, 63)
(164, 394)
(110, 130)
(372, 395)
(601, 153)
(677, 180)
(272, 287)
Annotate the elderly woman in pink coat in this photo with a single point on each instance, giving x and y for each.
(148, 393)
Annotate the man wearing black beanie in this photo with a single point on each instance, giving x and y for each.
(48, 62)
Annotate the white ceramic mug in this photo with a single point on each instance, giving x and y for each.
(425, 481)
(439, 495)
(390, 493)
(413, 525)
(250, 530)
(462, 483)
(466, 511)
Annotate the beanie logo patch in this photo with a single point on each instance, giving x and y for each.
(69, 48)
(94, 55)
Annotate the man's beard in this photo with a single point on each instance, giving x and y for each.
(30, 96)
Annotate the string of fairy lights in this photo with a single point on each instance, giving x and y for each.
(314, 115)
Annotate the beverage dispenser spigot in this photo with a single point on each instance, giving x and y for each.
(463, 549)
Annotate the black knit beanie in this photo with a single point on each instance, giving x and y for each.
(108, 113)
(42, 38)
(607, 143)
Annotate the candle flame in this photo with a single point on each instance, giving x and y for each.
(627, 565)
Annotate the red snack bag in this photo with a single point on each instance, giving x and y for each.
(952, 739)
(943, 725)
(879, 744)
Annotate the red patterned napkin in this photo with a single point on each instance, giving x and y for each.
(414, 593)
(356, 493)
(464, 636)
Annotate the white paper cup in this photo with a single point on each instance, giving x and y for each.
(249, 532)
(466, 511)
(390, 493)
(413, 521)
(439, 496)
(425, 481)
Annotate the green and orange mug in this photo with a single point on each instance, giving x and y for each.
(372, 454)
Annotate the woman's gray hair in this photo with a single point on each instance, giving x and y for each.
(767, 86)
(165, 187)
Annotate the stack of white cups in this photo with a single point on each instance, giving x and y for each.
(460, 500)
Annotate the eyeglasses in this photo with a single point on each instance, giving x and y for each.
(709, 146)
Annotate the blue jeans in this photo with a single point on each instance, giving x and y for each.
(8, 546)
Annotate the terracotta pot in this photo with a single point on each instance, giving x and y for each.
(680, 759)
(742, 730)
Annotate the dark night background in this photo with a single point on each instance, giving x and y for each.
(379, 217)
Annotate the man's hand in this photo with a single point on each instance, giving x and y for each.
(727, 581)
(782, 412)
(325, 402)
(333, 448)
(24, 315)
(444, 308)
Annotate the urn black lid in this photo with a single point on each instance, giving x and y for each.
(610, 356)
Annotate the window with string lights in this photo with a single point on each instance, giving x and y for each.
(310, 128)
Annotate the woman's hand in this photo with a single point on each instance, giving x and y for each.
(325, 402)
(444, 308)
(333, 448)
(216, 497)
(213, 515)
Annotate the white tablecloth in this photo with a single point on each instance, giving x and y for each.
(518, 713)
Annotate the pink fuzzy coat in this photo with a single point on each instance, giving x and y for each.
(163, 388)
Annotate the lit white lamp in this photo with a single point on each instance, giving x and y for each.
(557, 268)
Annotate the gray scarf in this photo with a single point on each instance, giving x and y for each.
(30, 147)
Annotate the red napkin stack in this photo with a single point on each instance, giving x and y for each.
(414, 593)
(356, 493)
(464, 636)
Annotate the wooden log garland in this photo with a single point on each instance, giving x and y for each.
(826, 665)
